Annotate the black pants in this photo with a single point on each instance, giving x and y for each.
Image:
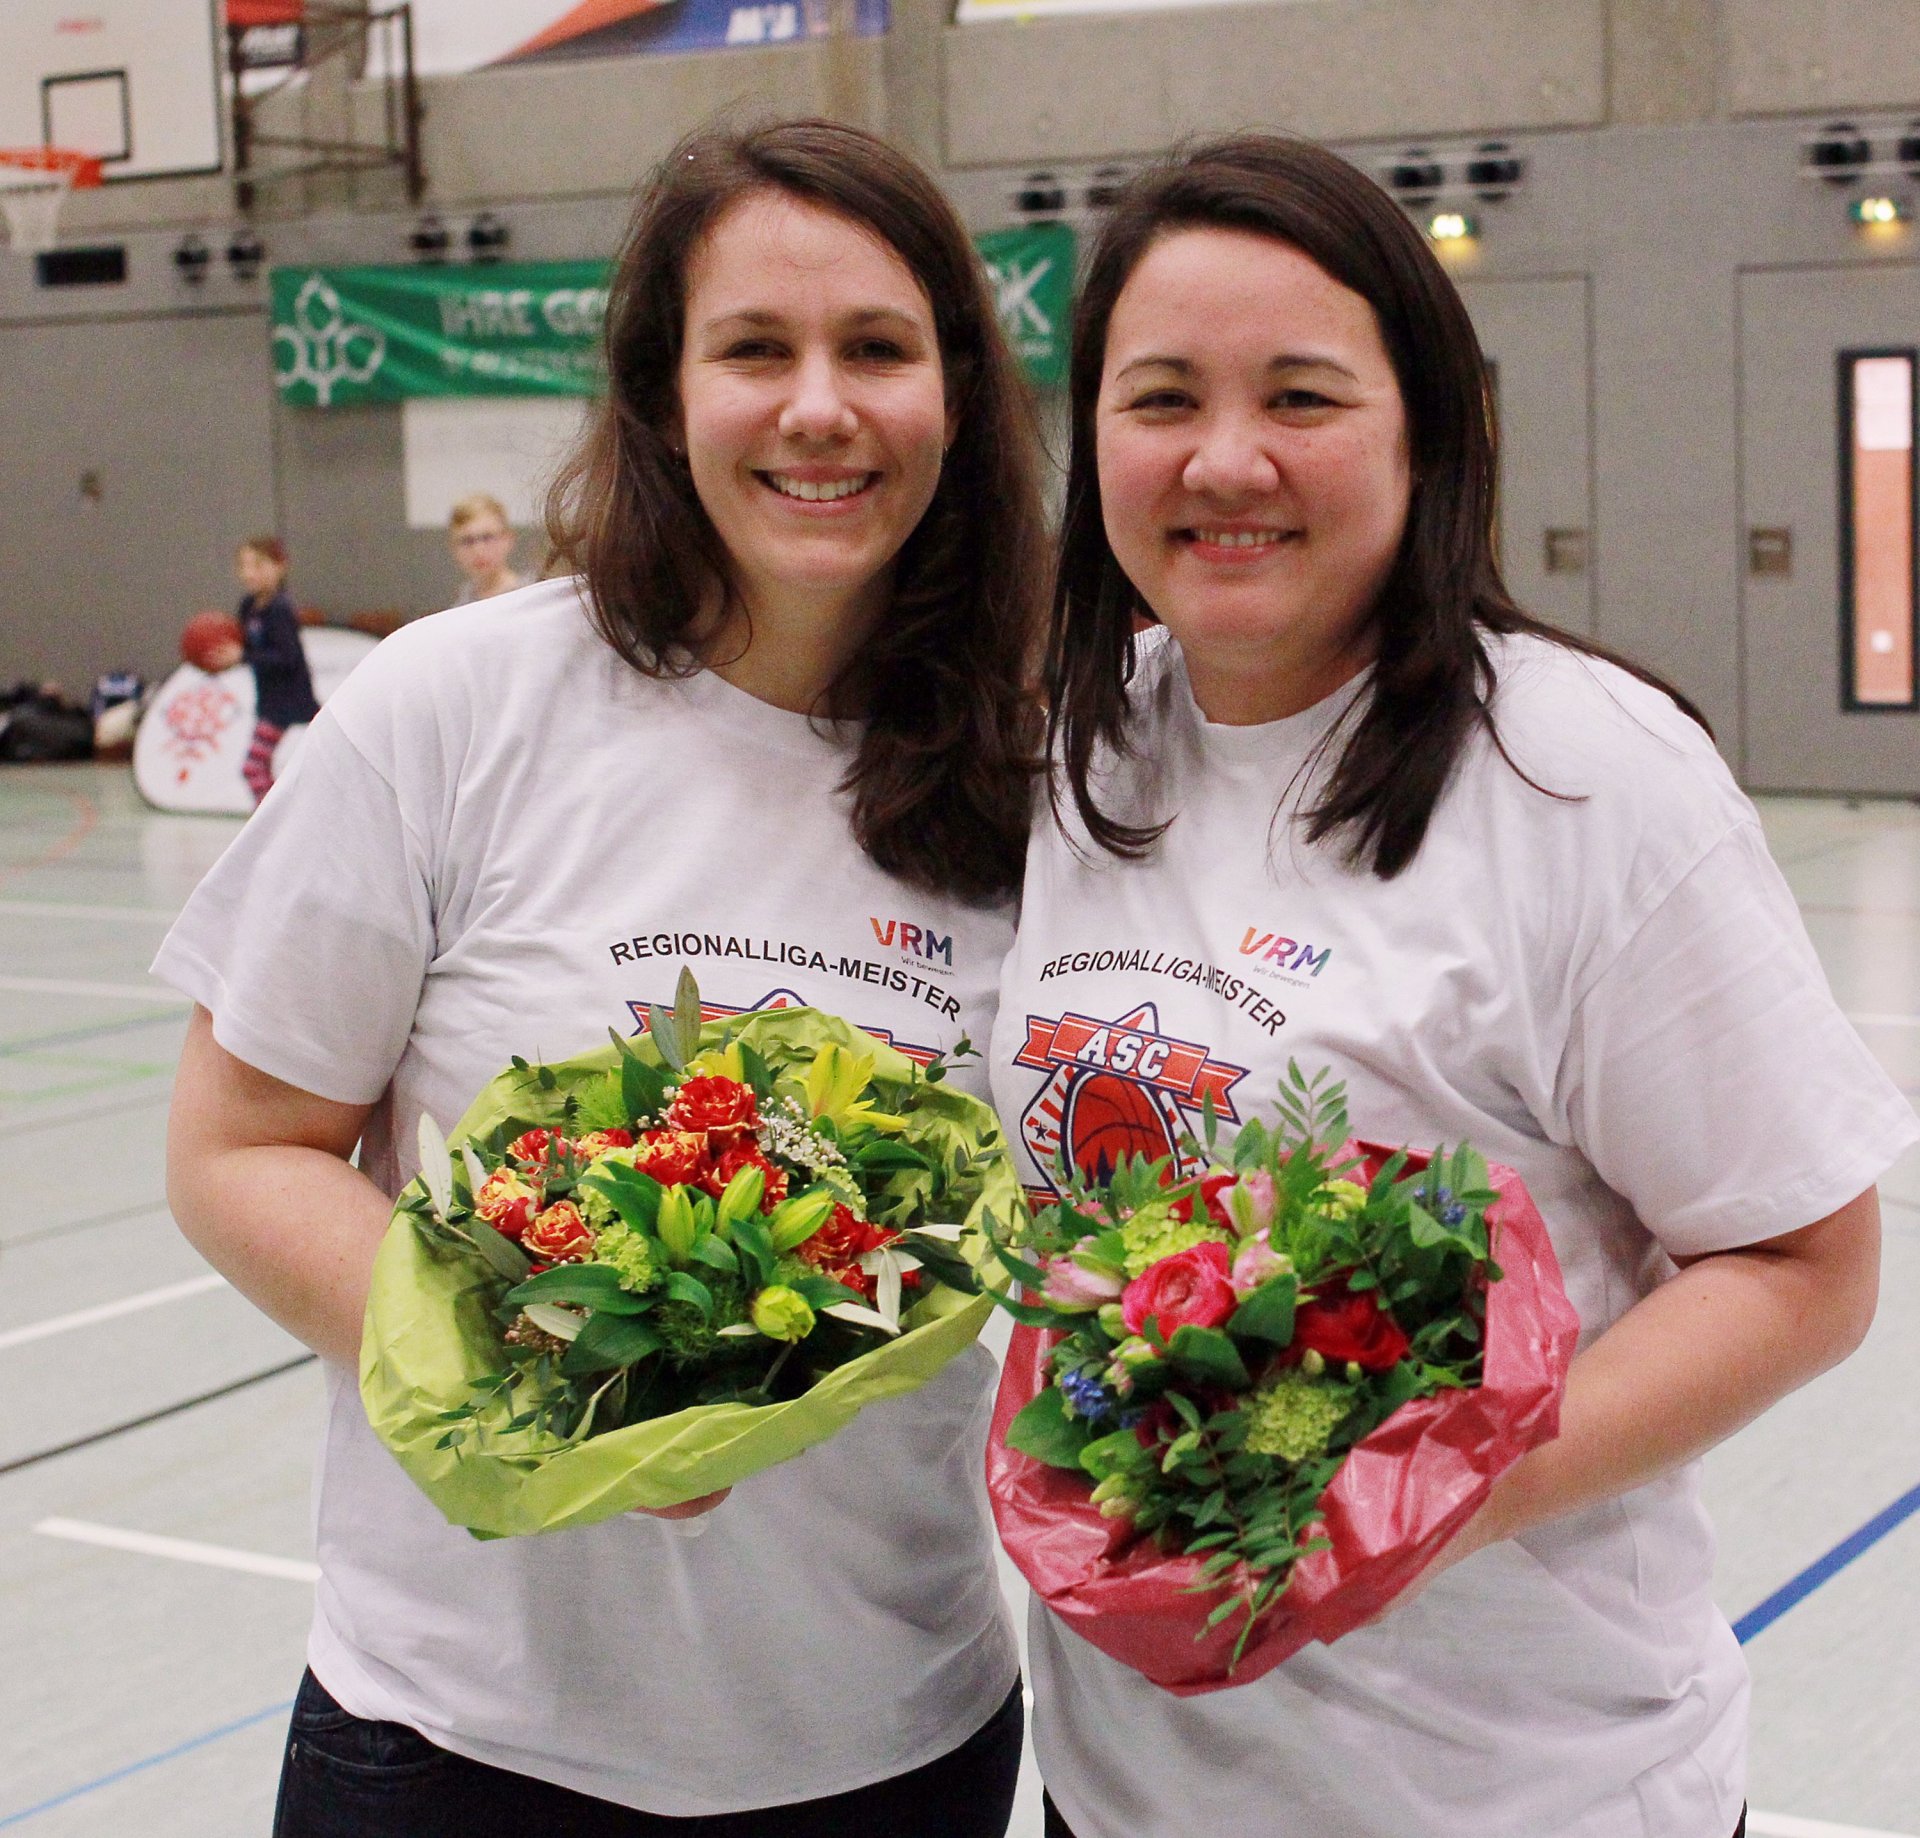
(1057, 1827)
(344, 1777)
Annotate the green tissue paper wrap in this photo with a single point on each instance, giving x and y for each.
(430, 1330)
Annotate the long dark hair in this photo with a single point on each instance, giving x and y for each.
(941, 783)
(1433, 679)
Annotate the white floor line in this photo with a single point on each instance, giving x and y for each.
(59, 909)
(1885, 1020)
(1784, 1825)
(111, 1311)
(181, 1550)
(114, 992)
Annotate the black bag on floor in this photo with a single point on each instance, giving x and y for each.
(43, 729)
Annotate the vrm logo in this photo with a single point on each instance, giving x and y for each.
(1118, 1089)
(920, 941)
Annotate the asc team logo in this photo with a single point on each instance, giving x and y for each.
(1118, 1088)
(787, 998)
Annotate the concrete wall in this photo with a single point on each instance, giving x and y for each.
(1662, 139)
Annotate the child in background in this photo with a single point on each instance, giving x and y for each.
(482, 542)
(270, 629)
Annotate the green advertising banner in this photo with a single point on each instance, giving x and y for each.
(343, 336)
(1032, 270)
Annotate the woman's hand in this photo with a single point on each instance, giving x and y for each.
(259, 1181)
(1684, 1368)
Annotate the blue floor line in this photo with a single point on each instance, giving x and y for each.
(151, 1761)
(1825, 1568)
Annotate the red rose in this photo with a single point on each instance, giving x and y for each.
(721, 1106)
(1212, 1186)
(1346, 1326)
(836, 1248)
(559, 1235)
(507, 1202)
(839, 1241)
(1193, 1288)
(747, 1155)
(672, 1157)
(599, 1142)
(538, 1148)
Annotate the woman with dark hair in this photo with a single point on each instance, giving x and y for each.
(1352, 807)
(778, 728)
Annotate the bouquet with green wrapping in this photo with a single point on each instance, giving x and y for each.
(639, 1276)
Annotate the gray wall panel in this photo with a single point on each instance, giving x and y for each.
(1087, 88)
(134, 455)
(1785, 56)
(345, 517)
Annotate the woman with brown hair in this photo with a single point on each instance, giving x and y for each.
(776, 728)
(1352, 807)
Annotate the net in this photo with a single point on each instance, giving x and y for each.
(34, 182)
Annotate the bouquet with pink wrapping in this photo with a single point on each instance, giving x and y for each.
(1245, 1408)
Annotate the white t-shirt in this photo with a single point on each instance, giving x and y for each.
(501, 839)
(1615, 997)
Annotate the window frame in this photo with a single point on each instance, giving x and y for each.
(1846, 363)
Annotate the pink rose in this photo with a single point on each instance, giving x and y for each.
(1072, 1285)
(1193, 1288)
(1257, 1187)
(1256, 1262)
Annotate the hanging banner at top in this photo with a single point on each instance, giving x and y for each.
(452, 37)
(1031, 266)
(345, 336)
(349, 335)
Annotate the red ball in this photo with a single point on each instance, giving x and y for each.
(206, 635)
(1110, 1119)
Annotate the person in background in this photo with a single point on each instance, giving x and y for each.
(270, 645)
(481, 539)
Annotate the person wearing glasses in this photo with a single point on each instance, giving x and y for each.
(481, 539)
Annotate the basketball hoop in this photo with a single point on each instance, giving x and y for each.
(33, 183)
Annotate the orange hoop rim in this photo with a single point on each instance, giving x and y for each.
(81, 170)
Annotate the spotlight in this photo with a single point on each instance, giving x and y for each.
(1040, 194)
(1105, 187)
(1451, 228)
(429, 239)
(191, 259)
(245, 253)
(1838, 153)
(1416, 177)
(1871, 213)
(487, 237)
(1495, 171)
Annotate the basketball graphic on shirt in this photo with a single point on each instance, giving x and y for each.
(1109, 1120)
(1116, 1088)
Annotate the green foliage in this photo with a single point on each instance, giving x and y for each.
(1206, 1356)
(1267, 1314)
(1045, 1431)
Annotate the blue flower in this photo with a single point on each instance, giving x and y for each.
(1440, 1202)
(1086, 1397)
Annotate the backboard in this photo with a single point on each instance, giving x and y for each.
(134, 82)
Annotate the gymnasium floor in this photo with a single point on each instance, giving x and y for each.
(154, 1583)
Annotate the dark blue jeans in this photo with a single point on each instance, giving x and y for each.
(344, 1777)
(1057, 1827)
